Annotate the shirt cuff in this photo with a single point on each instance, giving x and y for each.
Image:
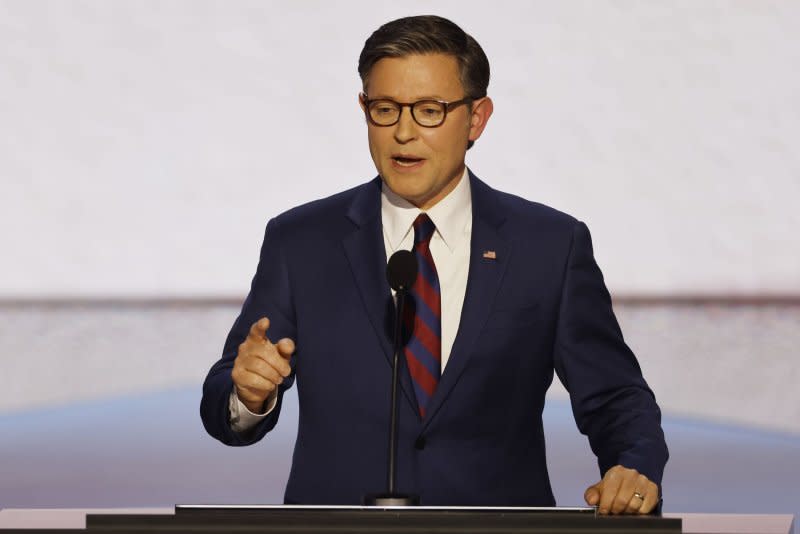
(243, 419)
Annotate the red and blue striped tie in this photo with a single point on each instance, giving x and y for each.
(424, 348)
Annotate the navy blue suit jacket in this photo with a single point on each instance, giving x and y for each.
(539, 306)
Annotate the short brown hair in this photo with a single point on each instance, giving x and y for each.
(428, 34)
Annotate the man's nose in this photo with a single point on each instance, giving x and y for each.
(406, 128)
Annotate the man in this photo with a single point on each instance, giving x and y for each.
(508, 292)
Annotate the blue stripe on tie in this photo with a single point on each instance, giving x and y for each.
(425, 270)
(428, 316)
(428, 360)
(422, 397)
(424, 230)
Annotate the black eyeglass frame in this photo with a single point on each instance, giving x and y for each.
(448, 106)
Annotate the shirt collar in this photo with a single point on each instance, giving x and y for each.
(452, 215)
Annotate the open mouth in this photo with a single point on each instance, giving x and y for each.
(407, 161)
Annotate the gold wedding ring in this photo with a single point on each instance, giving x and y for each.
(638, 495)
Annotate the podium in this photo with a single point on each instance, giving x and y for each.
(341, 519)
(385, 520)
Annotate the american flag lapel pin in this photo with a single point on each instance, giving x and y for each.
(489, 255)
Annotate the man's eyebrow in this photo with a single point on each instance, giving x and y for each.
(426, 97)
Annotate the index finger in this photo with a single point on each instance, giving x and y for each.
(259, 330)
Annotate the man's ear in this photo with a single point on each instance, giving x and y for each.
(361, 102)
(481, 111)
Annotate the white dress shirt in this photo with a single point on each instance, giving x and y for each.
(450, 245)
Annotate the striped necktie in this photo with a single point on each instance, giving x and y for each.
(424, 348)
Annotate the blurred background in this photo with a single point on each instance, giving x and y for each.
(144, 145)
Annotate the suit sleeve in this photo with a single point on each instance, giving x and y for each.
(611, 401)
(270, 296)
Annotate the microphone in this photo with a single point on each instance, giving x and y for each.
(401, 273)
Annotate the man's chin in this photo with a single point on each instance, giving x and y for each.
(402, 188)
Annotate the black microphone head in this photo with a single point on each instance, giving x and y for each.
(401, 271)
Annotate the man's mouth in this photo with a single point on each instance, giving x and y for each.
(405, 160)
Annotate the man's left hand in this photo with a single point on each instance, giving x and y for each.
(623, 491)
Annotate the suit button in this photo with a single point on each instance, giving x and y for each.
(420, 443)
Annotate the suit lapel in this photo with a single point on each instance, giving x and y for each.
(483, 283)
(366, 254)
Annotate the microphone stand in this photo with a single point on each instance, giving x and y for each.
(391, 497)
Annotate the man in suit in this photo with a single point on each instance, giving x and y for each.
(508, 293)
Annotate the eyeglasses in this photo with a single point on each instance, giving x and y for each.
(427, 113)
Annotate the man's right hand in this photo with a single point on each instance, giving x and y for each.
(260, 366)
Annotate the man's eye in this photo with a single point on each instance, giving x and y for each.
(383, 110)
(430, 111)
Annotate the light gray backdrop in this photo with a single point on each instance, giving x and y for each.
(145, 144)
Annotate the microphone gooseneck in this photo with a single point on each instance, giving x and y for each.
(401, 273)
